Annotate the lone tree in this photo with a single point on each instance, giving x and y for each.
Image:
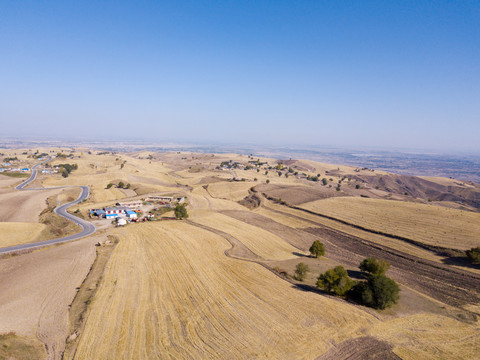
(474, 255)
(378, 292)
(317, 249)
(374, 266)
(181, 212)
(301, 271)
(336, 281)
(121, 185)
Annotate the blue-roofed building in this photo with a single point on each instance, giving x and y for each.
(131, 214)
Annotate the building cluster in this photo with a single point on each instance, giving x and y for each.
(8, 167)
(135, 209)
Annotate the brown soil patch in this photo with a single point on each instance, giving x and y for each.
(424, 189)
(294, 195)
(41, 286)
(361, 348)
(24, 206)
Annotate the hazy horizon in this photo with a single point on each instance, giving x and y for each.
(369, 75)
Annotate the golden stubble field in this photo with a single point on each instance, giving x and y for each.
(169, 291)
(429, 224)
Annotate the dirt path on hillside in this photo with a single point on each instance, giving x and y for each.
(41, 286)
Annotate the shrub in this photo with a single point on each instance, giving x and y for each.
(268, 181)
(301, 271)
(374, 266)
(121, 185)
(324, 181)
(378, 292)
(474, 255)
(317, 249)
(357, 186)
(109, 185)
(336, 281)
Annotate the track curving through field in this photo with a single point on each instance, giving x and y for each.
(87, 227)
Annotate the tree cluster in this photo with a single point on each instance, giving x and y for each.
(181, 211)
(378, 291)
(66, 169)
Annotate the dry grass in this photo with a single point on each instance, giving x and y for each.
(14, 233)
(170, 292)
(429, 336)
(234, 191)
(428, 224)
(20, 348)
(261, 242)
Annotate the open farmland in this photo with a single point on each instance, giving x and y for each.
(170, 292)
(206, 287)
(432, 225)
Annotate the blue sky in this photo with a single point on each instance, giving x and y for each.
(357, 73)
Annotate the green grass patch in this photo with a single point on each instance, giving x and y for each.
(16, 174)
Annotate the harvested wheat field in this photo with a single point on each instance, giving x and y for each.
(429, 336)
(169, 292)
(261, 242)
(229, 190)
(14, 233)
(432, 225)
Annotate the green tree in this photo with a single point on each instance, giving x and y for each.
(317, 249)
(121, 185)
(474, 255)
(181, 212)
(374, 266)
(268, 181)
(378, 292)
(109, 185)
(64, 172)
(336, 281)
(324, 181)
(301, 271)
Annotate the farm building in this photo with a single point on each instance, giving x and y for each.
(98, 212)
(156, 198)
(131, 204)
(114, 212)
(131, 214)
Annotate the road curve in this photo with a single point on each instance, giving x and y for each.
(87, 227)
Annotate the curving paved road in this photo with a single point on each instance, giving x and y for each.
(87, 228)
